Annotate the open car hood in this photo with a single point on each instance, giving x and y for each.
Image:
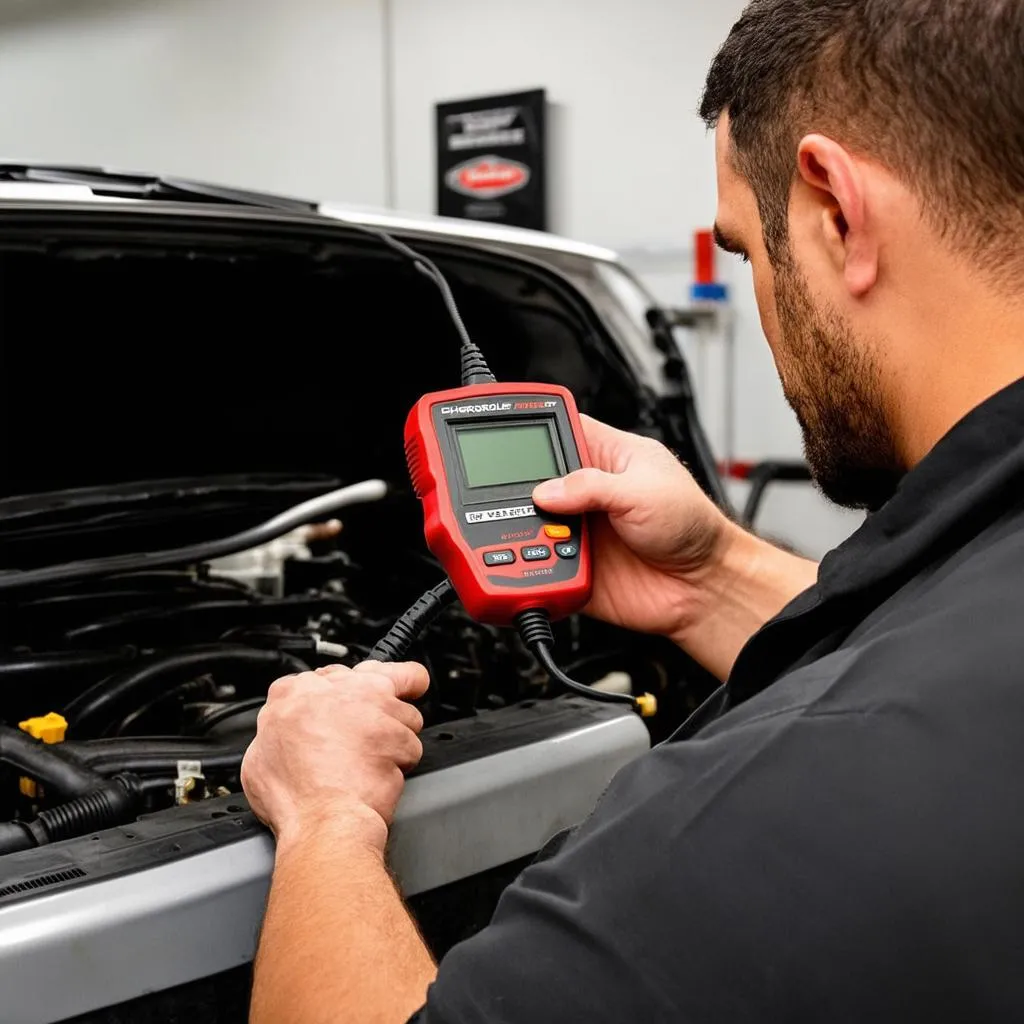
(171, 371)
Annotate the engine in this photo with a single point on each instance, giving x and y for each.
(160, 675)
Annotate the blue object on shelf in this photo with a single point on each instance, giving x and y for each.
(709, 292)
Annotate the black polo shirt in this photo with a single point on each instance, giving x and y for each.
(844, 842)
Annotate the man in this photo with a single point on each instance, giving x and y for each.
(841, 838)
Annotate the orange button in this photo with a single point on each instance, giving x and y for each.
(556, 532)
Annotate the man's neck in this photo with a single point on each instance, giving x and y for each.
(958, 349)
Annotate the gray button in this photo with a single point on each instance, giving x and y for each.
(499, 557)
(570, 549)
(537, 553)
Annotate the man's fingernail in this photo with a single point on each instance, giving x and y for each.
(550, 490)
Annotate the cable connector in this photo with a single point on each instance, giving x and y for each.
(395, 644)
(647, 705)
(535, 630)
(474, 367)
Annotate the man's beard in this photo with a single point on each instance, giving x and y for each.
(833, 384)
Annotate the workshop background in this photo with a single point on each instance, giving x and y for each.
(334, 100)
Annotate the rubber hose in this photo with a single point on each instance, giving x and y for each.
(92, 752)
(14, 837)
(46, 763)
(147, 755)
(19, 668)
(163, 764)
(112, 803)
(110, 700)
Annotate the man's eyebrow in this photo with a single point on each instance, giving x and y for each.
(727, 244)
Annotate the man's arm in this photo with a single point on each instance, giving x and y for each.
(325, 772)
(337, 943)
(751, 582)
(666, 559)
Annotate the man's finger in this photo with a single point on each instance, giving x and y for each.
(586, 490)
(410, 678)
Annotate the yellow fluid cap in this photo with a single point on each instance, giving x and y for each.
(648, 705)
(49, 728)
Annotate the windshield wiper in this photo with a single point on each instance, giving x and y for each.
(122, 185)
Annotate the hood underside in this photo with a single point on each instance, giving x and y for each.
(165, 377)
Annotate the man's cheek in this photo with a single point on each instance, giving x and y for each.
(764, 293)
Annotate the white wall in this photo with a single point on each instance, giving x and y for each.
(245, 92)
(294, 97)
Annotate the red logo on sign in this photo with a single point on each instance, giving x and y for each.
(488, 177)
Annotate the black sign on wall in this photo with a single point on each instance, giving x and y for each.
(490, 159)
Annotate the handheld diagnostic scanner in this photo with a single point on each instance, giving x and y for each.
(475, 454)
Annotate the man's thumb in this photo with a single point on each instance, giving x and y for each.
(586, 490)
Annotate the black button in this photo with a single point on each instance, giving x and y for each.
(537, 553)
(570, 549)
(499, 557)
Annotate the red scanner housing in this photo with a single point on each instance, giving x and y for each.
(475, 455)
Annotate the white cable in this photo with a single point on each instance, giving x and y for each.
(299, 515)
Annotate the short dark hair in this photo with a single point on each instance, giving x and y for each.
(932, 89)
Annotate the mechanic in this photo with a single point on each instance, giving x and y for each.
(839, 836)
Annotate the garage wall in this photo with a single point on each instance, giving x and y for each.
(240, 91)
(334, 98)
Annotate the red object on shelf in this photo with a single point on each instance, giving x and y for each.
(736, 470)
(704, 246)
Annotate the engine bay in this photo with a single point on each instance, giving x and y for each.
(160, 675)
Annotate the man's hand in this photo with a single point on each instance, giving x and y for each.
(331, 747)
(666, 558)
(659, 533)
(325, 773)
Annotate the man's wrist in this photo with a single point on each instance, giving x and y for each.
(353, 826)
(745, 583)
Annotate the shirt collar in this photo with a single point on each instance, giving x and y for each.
(970, 478)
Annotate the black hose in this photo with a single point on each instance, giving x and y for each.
(110, 700)
(222, 714)
(19, 668)
(96, 802)
(15, 836)
(395, 644)
(111, 803)
(145, 755)
(215, 759)
(46, 763)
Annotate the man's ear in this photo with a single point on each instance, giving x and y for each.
(839, 190)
